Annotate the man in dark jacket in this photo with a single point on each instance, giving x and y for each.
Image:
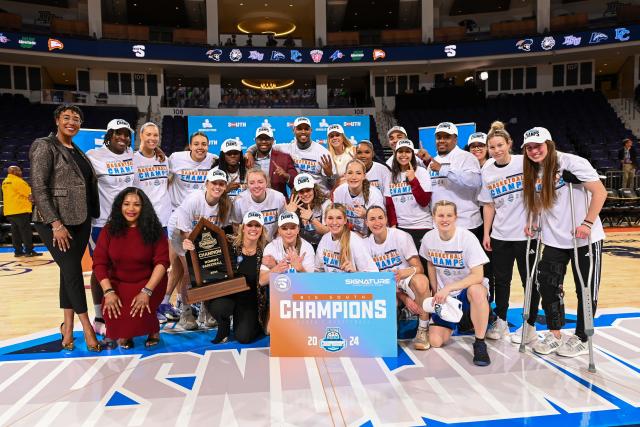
(628, 160)
(278, 165)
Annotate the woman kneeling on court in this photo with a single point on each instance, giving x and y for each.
(130, 262)
(393, 250)
(455, 259)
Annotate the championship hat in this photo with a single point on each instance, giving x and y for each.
(301, 121)
(119, 124)
(264, 130)
(335, 128)
(447, 127)
(231, 145)
(537, 135)
(288, 218)
(396, 129)
(450, 311)
(253, 216)
(479, 137)
(302, 181)
(404, 143)
(216, 175)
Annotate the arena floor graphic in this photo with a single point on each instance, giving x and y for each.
(188, 381)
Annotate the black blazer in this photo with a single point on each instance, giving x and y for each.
(632, 154)
(58, 186)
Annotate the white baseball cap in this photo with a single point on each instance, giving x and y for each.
(302, 181)
(404, 143)
(264, 130)
(301, 121)
(479, 137)
(231, 145)
(253, 216)
(537, 135)
(447, 127)
(396, 129)
(288, 218)
(216, 175)
(450, 311)
(335, 128)
(119, 124)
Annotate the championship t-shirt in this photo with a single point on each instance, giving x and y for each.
(188, 175)
(453, 259)
(275, 248)
(193, 208)
(380, 176)
(152, 177)
(556, 222)
(271, 207)
(458, 166)
(308, 161)
(235, 178)
(307, 229)
(394, 252)
(502, 186)
(115, 173)
(328, 254)
(342, 195)
(409, 213)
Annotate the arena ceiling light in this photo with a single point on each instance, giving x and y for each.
(484, 75)
(267, 84)
(267, 25)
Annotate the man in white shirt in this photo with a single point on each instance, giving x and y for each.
(397, 133)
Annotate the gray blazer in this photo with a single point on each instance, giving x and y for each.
(58, 186)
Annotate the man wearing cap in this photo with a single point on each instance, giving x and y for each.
(113, 164)
(395, 134)
(16, 194)
(455, 176)
(278, 165)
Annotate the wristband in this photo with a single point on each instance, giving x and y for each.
(587, 221)
(108, 291)
(147, 291)
(586, 224)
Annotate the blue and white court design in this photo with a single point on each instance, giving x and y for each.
(188, 381)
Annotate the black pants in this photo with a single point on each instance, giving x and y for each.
(72, 294)
(487, 268)
(551, 271)
(21, 232)
(245, 315)
(503, 255)
(417, 234)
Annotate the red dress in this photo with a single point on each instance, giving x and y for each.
(128, 263)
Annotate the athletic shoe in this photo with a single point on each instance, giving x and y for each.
(530, 334)
(168, 312)
(480, 354)
(421, 341)
(548, 345)
(187, 322)
(19, 254)
(573, 347)
(205, 318)
(498, 329)
(32, 254)
(99, 326)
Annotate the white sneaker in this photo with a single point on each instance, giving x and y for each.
(573, 347)
(205, 318)
(187, 322)
(530, 334)
(548, 345)
(498, 329)
(421, 341)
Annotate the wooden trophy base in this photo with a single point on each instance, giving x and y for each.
(216, 290)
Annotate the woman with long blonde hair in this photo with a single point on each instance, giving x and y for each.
(340, 148)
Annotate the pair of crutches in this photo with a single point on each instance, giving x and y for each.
(585, 287)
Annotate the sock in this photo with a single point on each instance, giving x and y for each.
(166, 298)
(98, 309)
(479, 339)
(423, 323)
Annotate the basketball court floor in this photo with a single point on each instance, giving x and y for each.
(188, 381)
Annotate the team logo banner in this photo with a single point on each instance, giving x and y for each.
(333, 315)
(219, 128)
(428, 137)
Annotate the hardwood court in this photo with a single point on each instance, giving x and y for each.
(29, 286)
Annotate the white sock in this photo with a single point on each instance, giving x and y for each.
(423, 323)
(98, 309)
(166, 298)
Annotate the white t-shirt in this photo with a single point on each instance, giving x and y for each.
(308, 161)
(152, 177)
(328, 254)
(342, 195)
(233, 178)
(502, 186)
(394, 252)
(189, 175)
(115, 173)
(380, 177)
(556, 222)
(308, 231)
(419, 162)
(409, 213)
(275, 248)
(453, 259)
(271, 207)
(458, 167)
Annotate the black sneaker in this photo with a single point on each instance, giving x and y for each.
(480, 354)
(224, 329)
(19, 254)
(32, 254)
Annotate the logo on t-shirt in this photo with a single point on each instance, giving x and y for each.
(446, 259)
(270, 216)
(502, 187)
(193, 176)
(155, 172)
(120, 167)
(331, 259)
(387, 260)
(306, 165)
(400, 189)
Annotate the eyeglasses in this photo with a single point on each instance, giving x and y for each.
(74, 120)
(476, 147)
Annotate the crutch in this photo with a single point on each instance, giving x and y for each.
(585, 288)
(531, 277)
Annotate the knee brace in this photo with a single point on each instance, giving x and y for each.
(549, 282)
